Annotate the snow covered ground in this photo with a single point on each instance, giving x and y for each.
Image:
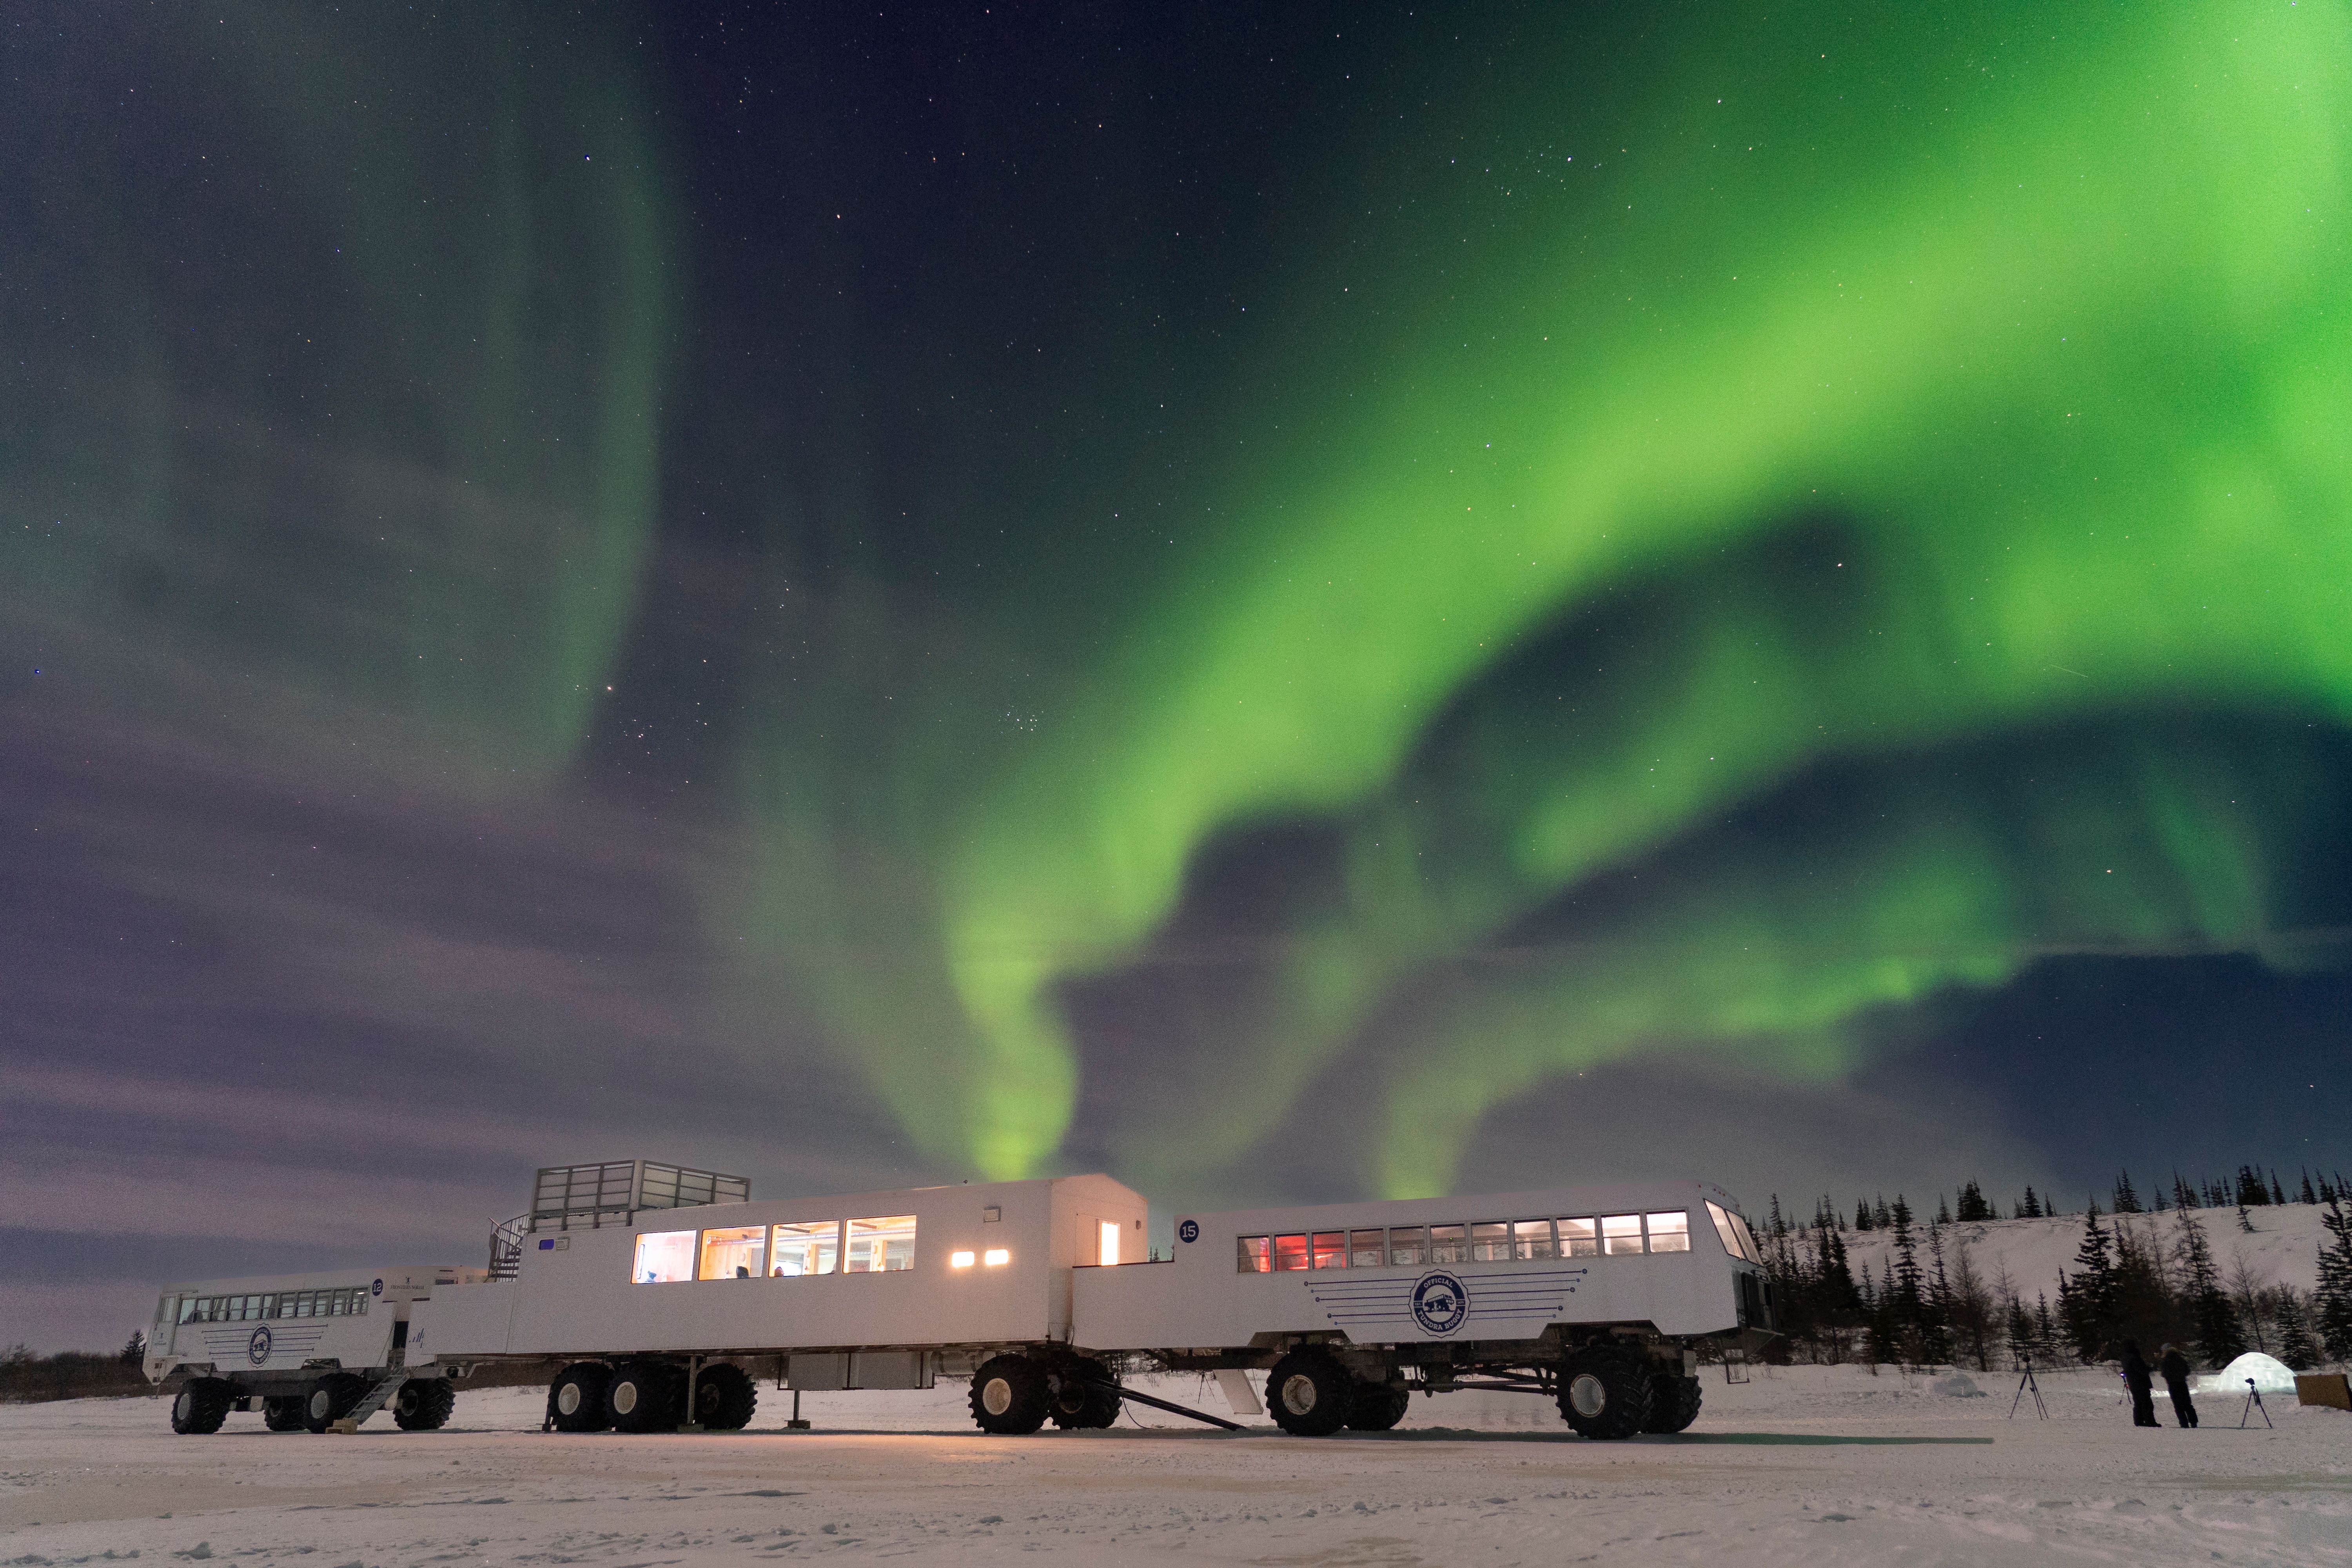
(1815, 1465)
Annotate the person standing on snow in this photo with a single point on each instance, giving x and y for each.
(2142, 1386)
(2175, 1368)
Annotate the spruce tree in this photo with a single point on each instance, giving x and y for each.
(1862, 1215)
(2020, 1331)
(2127, 1196)
(2182, 1199)
(2306, 1195)
(2278, 1194)
(1973, 1207)
(1943, 1214)
(2032, 1209)
(1878, 1215)
(2295, 1346)
(1936, 1314)
(2219, 1340)
(2251, 1194)
(2334, 1296)
(2045, 1332)
(2093, 1291)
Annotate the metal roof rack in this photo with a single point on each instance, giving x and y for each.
(564, 1196)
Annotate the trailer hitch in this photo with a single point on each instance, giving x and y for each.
(1168, 1406)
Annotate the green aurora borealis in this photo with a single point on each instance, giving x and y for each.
(1720, 535)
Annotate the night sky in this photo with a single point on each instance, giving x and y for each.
(1286, 602)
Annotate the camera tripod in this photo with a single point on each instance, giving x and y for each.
(2027, 1381)
(2253, 1402)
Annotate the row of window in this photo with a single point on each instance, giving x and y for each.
(1486, 1241)
(348, 1302)
(878, 1245)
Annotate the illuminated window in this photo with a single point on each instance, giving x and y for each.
(1449, 1244)
(1253, 1255)
(662, 1258)
(881, 1246)
(809, 1246)
(1723, 1228)
(996, 1256)
(1330, 1249)
(1670, 1232)
(1531, 1239)
(1747, 1237)
(740, 1253)
(1289, 1253)
(1580, 1239)
(1620, 1233)
(959, 1259)
(1106, 1253)
(1364, 1249)
(1490, 1241)
(1408, 1246)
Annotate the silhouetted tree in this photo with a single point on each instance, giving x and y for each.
(1972, 1206)
(2127, 1196)
(2335, 1293)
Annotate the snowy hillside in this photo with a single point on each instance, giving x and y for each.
(2283, 1249)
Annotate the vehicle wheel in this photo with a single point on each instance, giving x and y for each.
(1009, 1395)
(1673, 1402)
(423, 1404)
(1605, 1392)
(1379, 1406)
(282, 1414)
(201, 1405)
(331, 1398)
(643, 1396)
(1310, 1393)
(575, 1400)
(725, 1397)
(1079, 1401)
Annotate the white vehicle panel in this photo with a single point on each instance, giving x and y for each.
(256, 1326)
(1202, 1299)
(574, 1294)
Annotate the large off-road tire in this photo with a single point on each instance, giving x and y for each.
(575, 1400)
(1379, 1406)
(1079, 1401)
(1605, 1392)
(644, 1396)
(423, 1404)
(201, 1405)
(725, 1397)
(331, 1398)
(1673, 1402)
(282, 1414)
(1310, 1392)
(1010, 1396)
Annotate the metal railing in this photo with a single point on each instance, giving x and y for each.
(506, 1246)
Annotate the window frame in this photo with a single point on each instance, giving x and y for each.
(1650, 1236)
(805, 1233)
(852, 1264)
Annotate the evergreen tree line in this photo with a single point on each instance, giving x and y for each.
(2151, 1276)
(2248, 1189)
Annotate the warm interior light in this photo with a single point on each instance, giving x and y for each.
(959, 1259)
(1109, 1242)
(995, 1256)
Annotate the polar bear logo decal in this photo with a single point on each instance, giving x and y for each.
(1439, 1303)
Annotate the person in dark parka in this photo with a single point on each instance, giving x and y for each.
(2174, 1366)
(2141, 1385)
